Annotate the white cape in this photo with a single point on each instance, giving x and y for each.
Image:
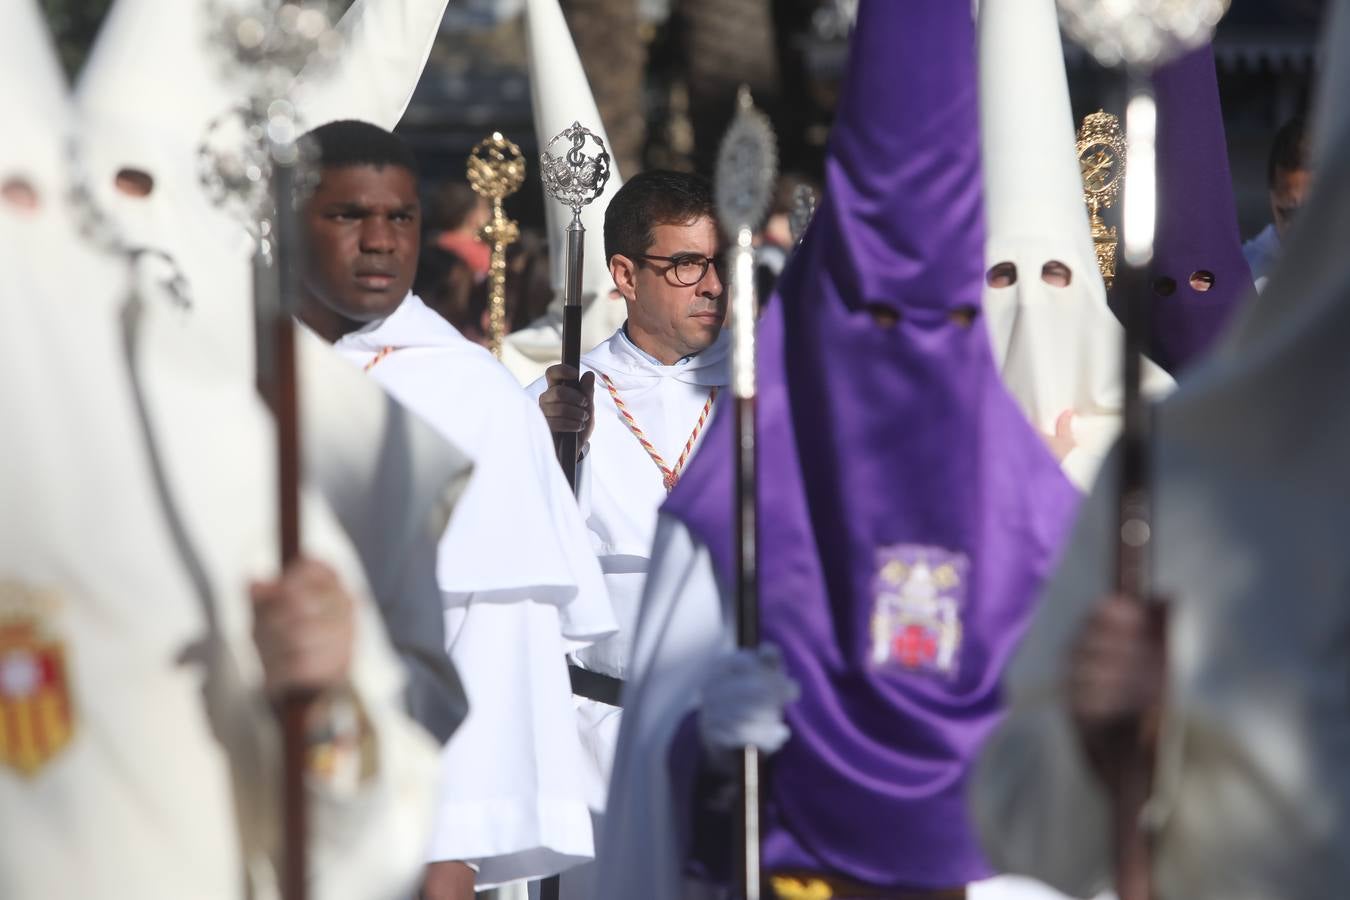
(515, 572)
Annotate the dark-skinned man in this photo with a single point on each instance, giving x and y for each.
(645, 397)
(519, 583)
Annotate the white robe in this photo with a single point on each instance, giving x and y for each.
(621, 492)
(164, 786)
(520, 588)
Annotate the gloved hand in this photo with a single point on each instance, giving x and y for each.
(742, 702)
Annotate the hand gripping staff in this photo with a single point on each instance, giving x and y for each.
(252, 163)
(1138, 35)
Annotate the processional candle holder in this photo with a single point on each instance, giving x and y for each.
(1102, 155)
(496, 170)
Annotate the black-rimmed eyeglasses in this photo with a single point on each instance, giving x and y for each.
(688, 268)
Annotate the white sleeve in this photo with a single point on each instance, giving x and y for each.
(512, 800)
(681, 629)
(385, 48)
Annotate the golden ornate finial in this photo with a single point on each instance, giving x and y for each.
(496, 170)
(1101, 154)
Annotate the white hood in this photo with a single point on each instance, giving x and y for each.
(1058, 348)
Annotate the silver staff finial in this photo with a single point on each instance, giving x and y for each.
(263, 45)
(747, 166)
(1140, 33)
(572, 176)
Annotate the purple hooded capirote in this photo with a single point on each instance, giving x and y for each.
(909, 514)
(1197, 215)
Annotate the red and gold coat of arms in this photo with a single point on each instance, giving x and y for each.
(36, 718)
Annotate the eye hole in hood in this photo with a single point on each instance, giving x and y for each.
(134, 182)
(20, 193)
(1202, 280)
(1056, 274)
(1001, 275)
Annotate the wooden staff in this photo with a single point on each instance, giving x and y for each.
(276, 287)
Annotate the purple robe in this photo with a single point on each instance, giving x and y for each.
(1197, 215)
(909, 514)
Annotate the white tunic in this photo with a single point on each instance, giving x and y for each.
(520, 588)
(622, 489)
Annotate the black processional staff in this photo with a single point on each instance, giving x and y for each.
(574, 174)
(252, 164)
(1140, 36)
(746, 169)
(574, 167)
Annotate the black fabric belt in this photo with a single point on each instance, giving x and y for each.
(604, 689)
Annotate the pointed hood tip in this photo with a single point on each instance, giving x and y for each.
(561, 96)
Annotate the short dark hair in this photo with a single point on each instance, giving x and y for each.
(352, 143)
(652, 198)
(1289, 152)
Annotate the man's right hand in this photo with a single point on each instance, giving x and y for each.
(568, 406)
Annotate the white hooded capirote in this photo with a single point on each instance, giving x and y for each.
(155, 83)
(137, 497)
(1058, 348)
(34, 100)
(561, 95)
(152, 87)
(1251, 496)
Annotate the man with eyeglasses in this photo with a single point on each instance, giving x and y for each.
(640, 408)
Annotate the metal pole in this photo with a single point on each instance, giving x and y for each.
(1133, 783)
(742, 309)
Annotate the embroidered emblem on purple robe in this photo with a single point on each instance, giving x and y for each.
(919, 593)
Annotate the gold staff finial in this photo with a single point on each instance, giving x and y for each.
(1101, 153)
(496, 170)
